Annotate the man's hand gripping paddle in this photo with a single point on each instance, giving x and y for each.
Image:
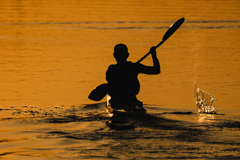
(101, 91)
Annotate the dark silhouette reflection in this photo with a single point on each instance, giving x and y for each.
(123, 78)
(150, 126)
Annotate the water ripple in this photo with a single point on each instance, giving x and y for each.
(204, 24)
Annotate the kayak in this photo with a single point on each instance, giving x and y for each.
(125, 109)
(124, 116)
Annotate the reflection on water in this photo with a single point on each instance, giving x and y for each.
(82, 133)
(206, 118)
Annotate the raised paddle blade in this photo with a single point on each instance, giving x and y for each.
(99, 92)
(169, 32)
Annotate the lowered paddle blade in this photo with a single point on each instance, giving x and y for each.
(99, 92)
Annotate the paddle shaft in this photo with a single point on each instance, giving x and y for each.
(149, 52)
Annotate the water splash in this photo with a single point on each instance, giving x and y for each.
(204, 101)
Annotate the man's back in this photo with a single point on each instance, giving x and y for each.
(123, 82)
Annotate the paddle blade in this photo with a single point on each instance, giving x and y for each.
(173, 28)
(99, 92)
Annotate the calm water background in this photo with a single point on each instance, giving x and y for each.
(53, 53)
(56, 52)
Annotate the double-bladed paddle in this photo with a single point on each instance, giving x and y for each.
(100, 92)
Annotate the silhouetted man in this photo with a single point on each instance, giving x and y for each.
(123, 78)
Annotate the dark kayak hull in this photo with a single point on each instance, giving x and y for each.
(123, 118)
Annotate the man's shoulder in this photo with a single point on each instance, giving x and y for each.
(128, 64)
(112, 65)
(138, 64)
(133, 63)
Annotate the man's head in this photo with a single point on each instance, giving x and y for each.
(121, 53)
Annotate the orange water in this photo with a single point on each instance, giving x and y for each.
(56, 52)
(53, 53)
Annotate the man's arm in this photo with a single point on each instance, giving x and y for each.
(155, 69)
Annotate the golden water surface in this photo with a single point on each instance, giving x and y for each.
(54, 52)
